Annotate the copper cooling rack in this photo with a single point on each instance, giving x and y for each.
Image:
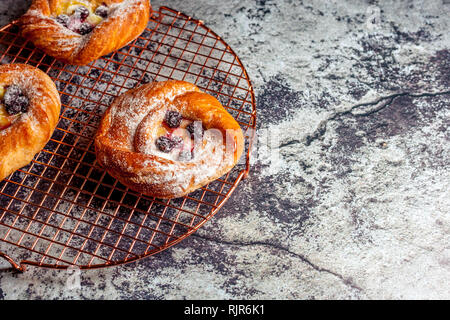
(62, 209)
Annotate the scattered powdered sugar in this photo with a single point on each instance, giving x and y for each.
(65, 39)
(122, 8)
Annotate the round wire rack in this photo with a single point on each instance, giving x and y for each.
(63, 210)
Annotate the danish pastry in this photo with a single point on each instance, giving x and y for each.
(80, 31)
(29, 112)
(166, 139)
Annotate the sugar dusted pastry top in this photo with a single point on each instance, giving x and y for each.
(80, 31)
(201, 140)
(29, 112)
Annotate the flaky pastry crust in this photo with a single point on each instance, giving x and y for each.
(125, 141)
(29, 133)
(126, 22)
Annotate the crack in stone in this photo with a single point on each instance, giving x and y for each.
(291, 142)
(346, 280)
(390, 99)
(380, 104)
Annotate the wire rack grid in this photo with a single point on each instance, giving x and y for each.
(62, 209)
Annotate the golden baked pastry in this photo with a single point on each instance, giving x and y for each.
(29, 112)
(167, 139)
(80, 31)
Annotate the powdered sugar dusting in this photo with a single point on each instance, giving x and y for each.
(28, 81)
(65, 38)
(70, 42)
(122, 8)
(138, 115)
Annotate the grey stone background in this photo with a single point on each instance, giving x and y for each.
(357, 205)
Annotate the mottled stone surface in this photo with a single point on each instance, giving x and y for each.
(356, 204)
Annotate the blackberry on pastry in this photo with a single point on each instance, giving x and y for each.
(167, 139)
(29, 112)
(80, 31)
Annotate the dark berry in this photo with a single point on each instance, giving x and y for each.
(63, 19)
(15, 101)
(12, 92)
(173, 119)
(81, 13)
(165, 144)
(23, 103)
(102, 11)
(85, 28)
(13, 109)
(195, 129)
(185, 155)
(177, 141)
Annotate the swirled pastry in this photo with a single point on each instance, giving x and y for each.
(166, 139)
(29, 112)
(80, 31)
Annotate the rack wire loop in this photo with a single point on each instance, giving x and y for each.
(64, 210)
(14, 266)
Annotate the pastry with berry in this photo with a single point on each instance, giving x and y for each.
(167, 139)
(80, 31)
(29, 113)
